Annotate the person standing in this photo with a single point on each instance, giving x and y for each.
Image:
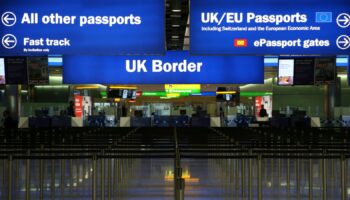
(8, 121)
(70, 109)
(263, 112)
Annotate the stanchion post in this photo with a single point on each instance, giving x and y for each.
(10, 177)
(259, 178)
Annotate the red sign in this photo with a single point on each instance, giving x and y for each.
(78, 105)
(240, 42)
(258, 103)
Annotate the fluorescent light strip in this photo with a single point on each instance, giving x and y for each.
(226, 92)
(86, 87)
(123, 87)
(51, 86)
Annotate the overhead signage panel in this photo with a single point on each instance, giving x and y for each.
(176, 67)
(274, 27)
(349, 71)
(106, 27)
(182, 88)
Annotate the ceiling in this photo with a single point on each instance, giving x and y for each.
(177, 14)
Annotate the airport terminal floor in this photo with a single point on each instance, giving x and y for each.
(174, 99)
(163, 163)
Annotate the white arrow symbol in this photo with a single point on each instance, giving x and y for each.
(343, 20)
(7, 18)
(343, 42)
(7, 41)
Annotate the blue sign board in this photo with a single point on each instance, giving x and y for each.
(349, 71)
(90, 27)
(176, 67)
(257, 27)
(272, 61)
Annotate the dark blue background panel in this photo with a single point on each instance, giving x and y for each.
(174, 67)
(103, 27)
(257, 27)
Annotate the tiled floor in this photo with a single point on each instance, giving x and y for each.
(206, 179)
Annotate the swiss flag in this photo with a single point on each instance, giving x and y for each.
(239, 42)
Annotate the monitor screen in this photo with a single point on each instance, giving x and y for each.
(114, 93)
(2, 71)
(286, 72)
(131, 94)
(38, 70)
(16, 70)
(304, 71)
(324, 70)
(125, 94)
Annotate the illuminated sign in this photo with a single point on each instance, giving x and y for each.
(107, 27)
(176, 67)
(263, 27)
(183, 88)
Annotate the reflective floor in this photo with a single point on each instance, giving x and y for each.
(153, 179)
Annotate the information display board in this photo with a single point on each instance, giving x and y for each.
(257, 27)
(304, 71)
(38, 70)
(176, 67)
(106, 27)
(286, 72)
(16, 70)
(2, 71)
(324, 70)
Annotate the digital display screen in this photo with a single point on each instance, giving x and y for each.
(125, 94)
(112, 93)
(2, 71)
(286, 72)
(324, 70)
(16, 70)
(304, 71)
(38, 70)
(131, 94)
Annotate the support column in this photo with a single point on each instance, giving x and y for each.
(13, 100)
(331, 98)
